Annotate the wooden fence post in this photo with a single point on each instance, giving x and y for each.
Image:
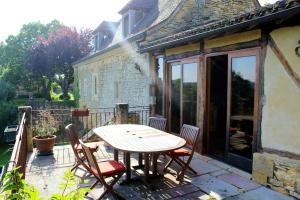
(28, 124)
(122, 113)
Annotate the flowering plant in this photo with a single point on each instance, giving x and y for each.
(46, 125)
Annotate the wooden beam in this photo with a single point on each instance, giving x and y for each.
(295, 77)
(263, 53)
(233, 47)
(282, 153)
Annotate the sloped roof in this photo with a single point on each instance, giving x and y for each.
(265, 14)
(138, 4)
(164, 10)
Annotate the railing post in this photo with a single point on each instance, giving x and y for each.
(152, 110)
(28, 124)
(122, 113)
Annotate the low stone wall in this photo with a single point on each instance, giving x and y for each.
(279, 173)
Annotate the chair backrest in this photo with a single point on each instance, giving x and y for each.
(72, 134)
(190, 134)
(73, 137)
(158, 123)
(90, 158)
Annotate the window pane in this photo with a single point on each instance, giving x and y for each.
(126, 26)
(242, 105)
(190, 93)
(175, 104)
(159, 83)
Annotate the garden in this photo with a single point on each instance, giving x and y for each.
(36, 69)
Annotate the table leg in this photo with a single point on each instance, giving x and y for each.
(140, 159)
(116, 155)
(154, 163)
(147, 166)
(127, 164)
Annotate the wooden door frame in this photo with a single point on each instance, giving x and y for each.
(236, 53)
(168, 83)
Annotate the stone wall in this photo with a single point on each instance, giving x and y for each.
(120, 75)
(279, 173)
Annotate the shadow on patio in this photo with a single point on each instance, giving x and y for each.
(215, 180)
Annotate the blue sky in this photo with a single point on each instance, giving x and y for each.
(78, 13)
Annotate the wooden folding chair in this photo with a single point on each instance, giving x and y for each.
(104, 170)
(77, 148)
(158, 123)
(190, 134)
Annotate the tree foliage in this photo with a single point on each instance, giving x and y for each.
(14, 52)
(52, 57)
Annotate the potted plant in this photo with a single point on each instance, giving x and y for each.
(44, 130)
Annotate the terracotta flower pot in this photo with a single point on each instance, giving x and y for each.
(44, 145)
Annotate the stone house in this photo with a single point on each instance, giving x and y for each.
(236, 76)
(115, 72)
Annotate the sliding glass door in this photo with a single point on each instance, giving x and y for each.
(232, 106)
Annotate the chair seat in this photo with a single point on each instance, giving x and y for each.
(180, 152)
(109, 168)
(92, 146)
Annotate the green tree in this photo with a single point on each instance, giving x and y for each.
(14, 52)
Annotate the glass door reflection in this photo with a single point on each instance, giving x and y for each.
(184, 85)
(189, 94)
(243, 73)
(175, 98)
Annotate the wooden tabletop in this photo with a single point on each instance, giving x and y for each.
(139, 138)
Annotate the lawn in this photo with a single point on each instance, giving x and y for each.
(5, 153)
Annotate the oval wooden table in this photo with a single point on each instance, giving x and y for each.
(131, 138)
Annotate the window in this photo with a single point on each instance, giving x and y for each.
(159, 71)
(117, 91)
(85, 87)
(95, 85)
(138, 16)
(126, 26)
(96, 42)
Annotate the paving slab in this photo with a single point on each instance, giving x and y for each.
(240, 172)
(202, 167)
(180, 191)
(219, 164)
(239, 181)
(215, 187)
(219, 172)
(195, 196)
(261, 193)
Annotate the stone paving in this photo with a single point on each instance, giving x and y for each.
(215, 180)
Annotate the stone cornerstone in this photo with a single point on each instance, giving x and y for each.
(280, 173)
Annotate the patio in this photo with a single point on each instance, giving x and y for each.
(215, 180)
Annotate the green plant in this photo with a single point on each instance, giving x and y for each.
(70, 189)
(46, 124)
(15, 188)
(111, 121)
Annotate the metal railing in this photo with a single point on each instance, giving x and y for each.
(139, 115)
(97, 117)
(19, 153)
